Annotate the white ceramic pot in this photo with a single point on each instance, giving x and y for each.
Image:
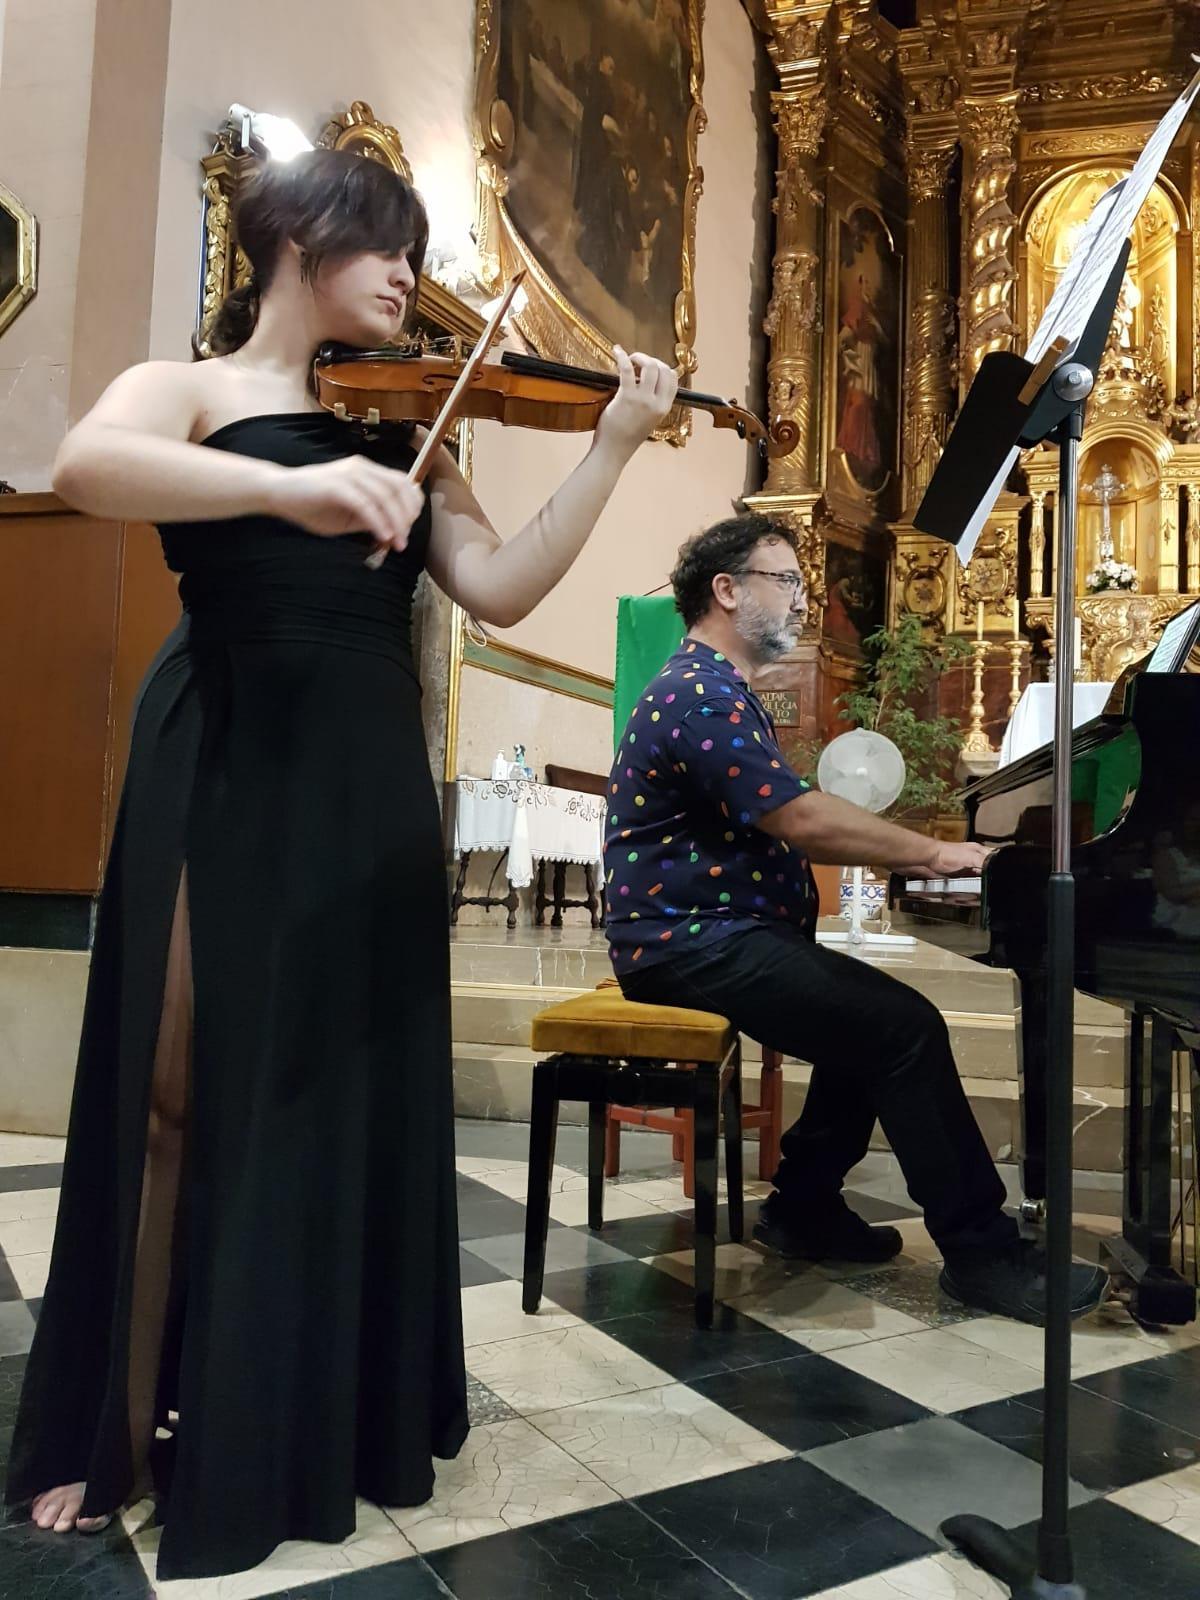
(874, 896)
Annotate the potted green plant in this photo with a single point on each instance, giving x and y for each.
(897, 683)
(899, 673)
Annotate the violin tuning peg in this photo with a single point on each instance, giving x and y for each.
(340, 412)
(372, 416)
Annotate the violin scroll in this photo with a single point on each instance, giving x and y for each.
(783, 436)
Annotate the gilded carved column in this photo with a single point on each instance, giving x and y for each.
(1037, 542)
(793, 319)
(989, 131)
(1168, 541)
(1193, 538)
(932, 363)
(1052, 535)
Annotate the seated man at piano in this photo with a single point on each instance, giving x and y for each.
(711, 905)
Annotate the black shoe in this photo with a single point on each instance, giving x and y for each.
(834, 1233)
(1013, 1284)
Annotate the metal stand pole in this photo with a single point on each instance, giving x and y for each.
(989, 1545)
(1054, 1545)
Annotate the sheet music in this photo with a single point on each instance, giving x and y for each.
(1085, 275)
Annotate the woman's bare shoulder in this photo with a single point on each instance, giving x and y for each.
(163, 397)
(182, 399)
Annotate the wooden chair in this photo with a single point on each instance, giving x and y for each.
(766, 1116)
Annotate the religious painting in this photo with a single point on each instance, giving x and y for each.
(589, 117)
(18, 257)
(856, 589)
(868, 348)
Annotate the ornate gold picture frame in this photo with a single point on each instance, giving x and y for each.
(588, 120)
(438, 311)
(864, 354)
(18, 257)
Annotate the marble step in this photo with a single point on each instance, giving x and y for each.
(493, 1081)
(984, 1042)
(575, 959)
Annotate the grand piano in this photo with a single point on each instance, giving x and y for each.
(1136, 861)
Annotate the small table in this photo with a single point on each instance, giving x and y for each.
(526, 822)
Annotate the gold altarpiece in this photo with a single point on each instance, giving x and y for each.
(935, 174)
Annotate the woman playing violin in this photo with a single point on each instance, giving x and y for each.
(254, 1292)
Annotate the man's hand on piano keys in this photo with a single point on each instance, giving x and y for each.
(952, 860)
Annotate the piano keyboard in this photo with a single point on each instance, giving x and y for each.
(941, 885)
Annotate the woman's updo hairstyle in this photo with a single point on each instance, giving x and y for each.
(333, 205)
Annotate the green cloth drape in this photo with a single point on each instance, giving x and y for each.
(648, 632)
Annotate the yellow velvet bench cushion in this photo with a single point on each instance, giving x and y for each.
(604, 1023)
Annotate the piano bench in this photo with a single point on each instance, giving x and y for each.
(607, 1051)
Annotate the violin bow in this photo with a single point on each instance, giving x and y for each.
(448, 415)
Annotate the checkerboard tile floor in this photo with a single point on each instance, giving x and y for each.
(810, 1444)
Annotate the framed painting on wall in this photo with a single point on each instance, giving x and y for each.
(18, 257)
(856, 588)
(867, 393)
(588, 121)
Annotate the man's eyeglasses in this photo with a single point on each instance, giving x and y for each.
(790, 580)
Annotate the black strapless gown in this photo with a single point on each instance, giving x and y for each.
(314, 1348)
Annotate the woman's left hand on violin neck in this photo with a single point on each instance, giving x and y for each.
(641, 403)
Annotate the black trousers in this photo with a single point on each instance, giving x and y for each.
(879, 1051)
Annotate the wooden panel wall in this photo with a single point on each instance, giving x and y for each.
(84, 604)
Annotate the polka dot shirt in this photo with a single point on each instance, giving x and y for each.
(684, 863)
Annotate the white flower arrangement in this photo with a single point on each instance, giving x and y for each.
(1111, 575)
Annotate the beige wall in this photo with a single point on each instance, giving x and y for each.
(44, 109)
(553, 727)
(116, 245)
(305, 59)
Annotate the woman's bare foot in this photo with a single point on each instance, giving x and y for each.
(59, 1509)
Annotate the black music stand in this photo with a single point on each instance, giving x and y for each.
(1014, 402)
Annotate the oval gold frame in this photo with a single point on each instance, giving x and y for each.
(23, 291)
(360, 130)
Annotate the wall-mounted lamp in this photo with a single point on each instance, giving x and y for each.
(263, 133)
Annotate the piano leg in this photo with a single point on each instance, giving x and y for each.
(1143, 1253)
(1032, 999)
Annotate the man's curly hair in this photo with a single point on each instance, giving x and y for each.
(725, 547)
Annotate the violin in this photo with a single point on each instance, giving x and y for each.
(375, 386)
(519, 391)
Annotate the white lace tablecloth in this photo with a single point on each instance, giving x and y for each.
(532, 821)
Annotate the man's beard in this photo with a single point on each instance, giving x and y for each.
(766, 637)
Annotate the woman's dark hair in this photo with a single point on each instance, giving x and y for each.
(333, 205)
(725, 547)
